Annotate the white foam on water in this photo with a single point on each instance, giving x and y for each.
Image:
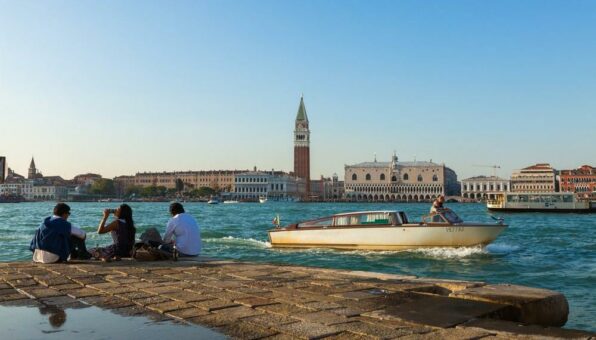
(239, 240)
(502, 248)
(449, 252)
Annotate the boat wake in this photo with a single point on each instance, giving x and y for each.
(231, 240)
(464, 252)
(450, 253)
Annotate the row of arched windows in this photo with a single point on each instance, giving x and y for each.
(394, 178)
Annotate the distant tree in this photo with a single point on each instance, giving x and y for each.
(103, 186)
(171, 192)
(179, 185)
(132, 190)
(203, 192)
(154, 191)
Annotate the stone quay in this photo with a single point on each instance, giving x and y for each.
(269, 301)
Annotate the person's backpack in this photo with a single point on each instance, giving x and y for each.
(147, 252)
(148, 248)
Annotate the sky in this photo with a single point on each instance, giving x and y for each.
(117, 87)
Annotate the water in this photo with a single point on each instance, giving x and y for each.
(540, 250)
(40, 321)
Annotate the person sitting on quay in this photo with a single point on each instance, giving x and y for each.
(57, 240)
(437, 204)
(184, 230)
(122, 230)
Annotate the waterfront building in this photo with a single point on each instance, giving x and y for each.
(539, 177)
(13, 177)
(399, 181)
(32, 192)
(219, 180)
(330, 188)
(483, 187)
(581, 181)
(12, 189)
(275, 185)
(86, 179)
(2, 169)
(302, 145)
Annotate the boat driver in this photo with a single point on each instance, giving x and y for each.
(437, 204)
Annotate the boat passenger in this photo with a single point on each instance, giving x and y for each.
(182, 231)
(57, 240)
(437, 204)
(122, 230)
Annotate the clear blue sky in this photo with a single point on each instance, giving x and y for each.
(117, 87)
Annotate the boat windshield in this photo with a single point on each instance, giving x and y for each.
(451, 216)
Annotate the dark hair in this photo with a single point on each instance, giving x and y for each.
(176, 208)
(126, 215)
(61, 209)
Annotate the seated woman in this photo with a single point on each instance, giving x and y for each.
(123, 233)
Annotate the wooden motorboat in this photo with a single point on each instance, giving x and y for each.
(385, 230)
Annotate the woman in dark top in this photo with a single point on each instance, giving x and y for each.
(122, 230)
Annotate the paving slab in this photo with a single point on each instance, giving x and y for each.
(322, 317)
(450, 334)
(437, 311)
(253, 301)
(307, 330)
(283, 309)
(373, 330)
(243, 330)
(214, 304)
(168, 306)
(82, 292)
(38, 293)
(511, 329)
(270, 320)
(533, 305)
(187, 313)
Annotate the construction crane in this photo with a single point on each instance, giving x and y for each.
(495, 167)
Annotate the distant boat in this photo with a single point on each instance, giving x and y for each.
(104, 200)
(556, 202)
(213, 200)
(230, 202)
(385, 230)
(262, 199)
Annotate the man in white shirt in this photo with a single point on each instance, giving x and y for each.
(184, 230)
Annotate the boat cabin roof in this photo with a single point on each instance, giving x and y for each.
(367, 212)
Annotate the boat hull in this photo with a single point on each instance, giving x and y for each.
(387, 238)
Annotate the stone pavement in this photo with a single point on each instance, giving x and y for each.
(266, 301)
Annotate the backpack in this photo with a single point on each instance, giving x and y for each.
(148, 248)
(147, 252)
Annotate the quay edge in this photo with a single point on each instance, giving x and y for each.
(255, 300)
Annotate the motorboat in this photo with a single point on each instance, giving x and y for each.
(230, 202)
(262, 199)
(557, 202)
(385, 230)
(213, 200)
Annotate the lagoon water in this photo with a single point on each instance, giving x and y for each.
(553, 251)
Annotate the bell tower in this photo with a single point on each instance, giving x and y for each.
(32, 170)
(302, 145)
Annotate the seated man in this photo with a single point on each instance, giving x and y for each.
(56, 239)
(185, 230)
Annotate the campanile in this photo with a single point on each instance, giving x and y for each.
(302, 145)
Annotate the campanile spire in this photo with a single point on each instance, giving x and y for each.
(302, 144)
